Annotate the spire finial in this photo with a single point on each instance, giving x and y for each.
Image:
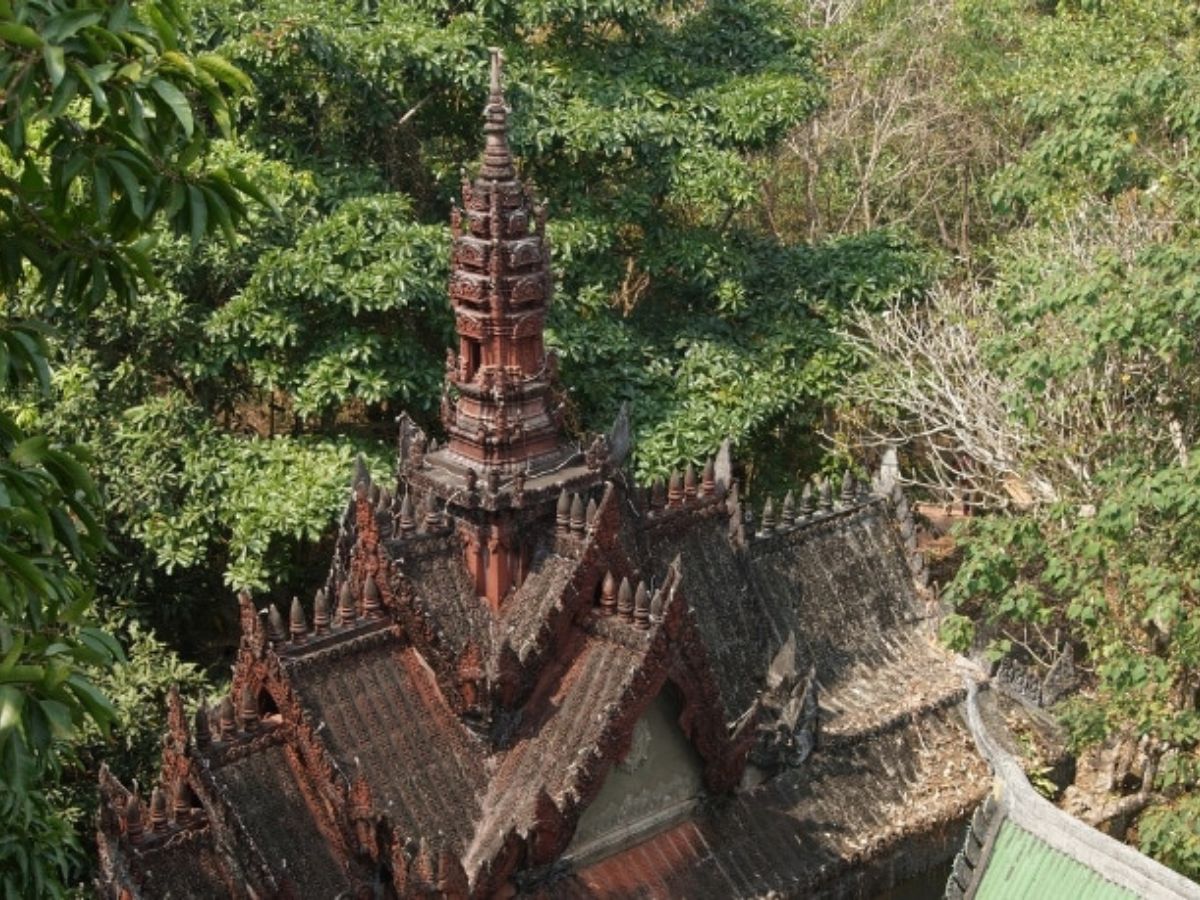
(497, 74)
(497, 159)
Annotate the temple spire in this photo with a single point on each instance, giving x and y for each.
(503, 418)
(497, 158)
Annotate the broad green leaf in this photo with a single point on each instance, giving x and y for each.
(55, 64)
(21, 35)
(198, 211)
(175, 101)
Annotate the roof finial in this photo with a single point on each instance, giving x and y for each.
(497, 94)
(497, 159)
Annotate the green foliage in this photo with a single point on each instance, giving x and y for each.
(49, 543)
(1084, 305)
(137, 687)
(100, 139)
(957, 632)
(318, 323)
(769, 355)
(1171, 833)
(366, 266)
(39, 851)
(188, 486)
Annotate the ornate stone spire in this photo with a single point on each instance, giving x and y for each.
(297, 626)
(641, 607)
(226, 719)
(275, 624)
(248, 711)
(499, 289)
(788, 519)
(133, 818)
(347, 612)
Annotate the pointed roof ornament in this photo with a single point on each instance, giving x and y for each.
(298, 625)
(249, 708)
(226, 719)
(641, 607)
(675, 489)
(133, 818)
(608, 595)
(201, 728)
(788, 519)
(806, 500)
(346, 611)
(689, 482)
(656, 605)
(181, 802)
(589, 516)
(708, 479)
(825, 498)
(625, 601)
(158, 810)
(562, 513)
(321, 612)
(578, 513)
(768, 516)
(497, 158)
(275, 624)
(408, 524)
(372, 599)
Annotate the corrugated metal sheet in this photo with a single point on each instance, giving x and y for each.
(1022, 867)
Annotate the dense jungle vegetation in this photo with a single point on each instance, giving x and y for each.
(963, 228)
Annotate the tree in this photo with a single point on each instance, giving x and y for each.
(1054, 384)
(100, 137)
(225, 401)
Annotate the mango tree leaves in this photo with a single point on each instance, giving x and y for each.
(101, 136)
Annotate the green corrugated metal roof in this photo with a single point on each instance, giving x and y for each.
(1023, 866)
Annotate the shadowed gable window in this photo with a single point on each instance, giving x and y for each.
(654, 786)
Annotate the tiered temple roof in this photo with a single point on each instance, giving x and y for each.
(525, 675)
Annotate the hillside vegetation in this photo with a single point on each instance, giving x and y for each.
(1050, 378)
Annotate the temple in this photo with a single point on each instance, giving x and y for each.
(526, 676)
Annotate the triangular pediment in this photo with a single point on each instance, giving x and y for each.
(658, 782)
